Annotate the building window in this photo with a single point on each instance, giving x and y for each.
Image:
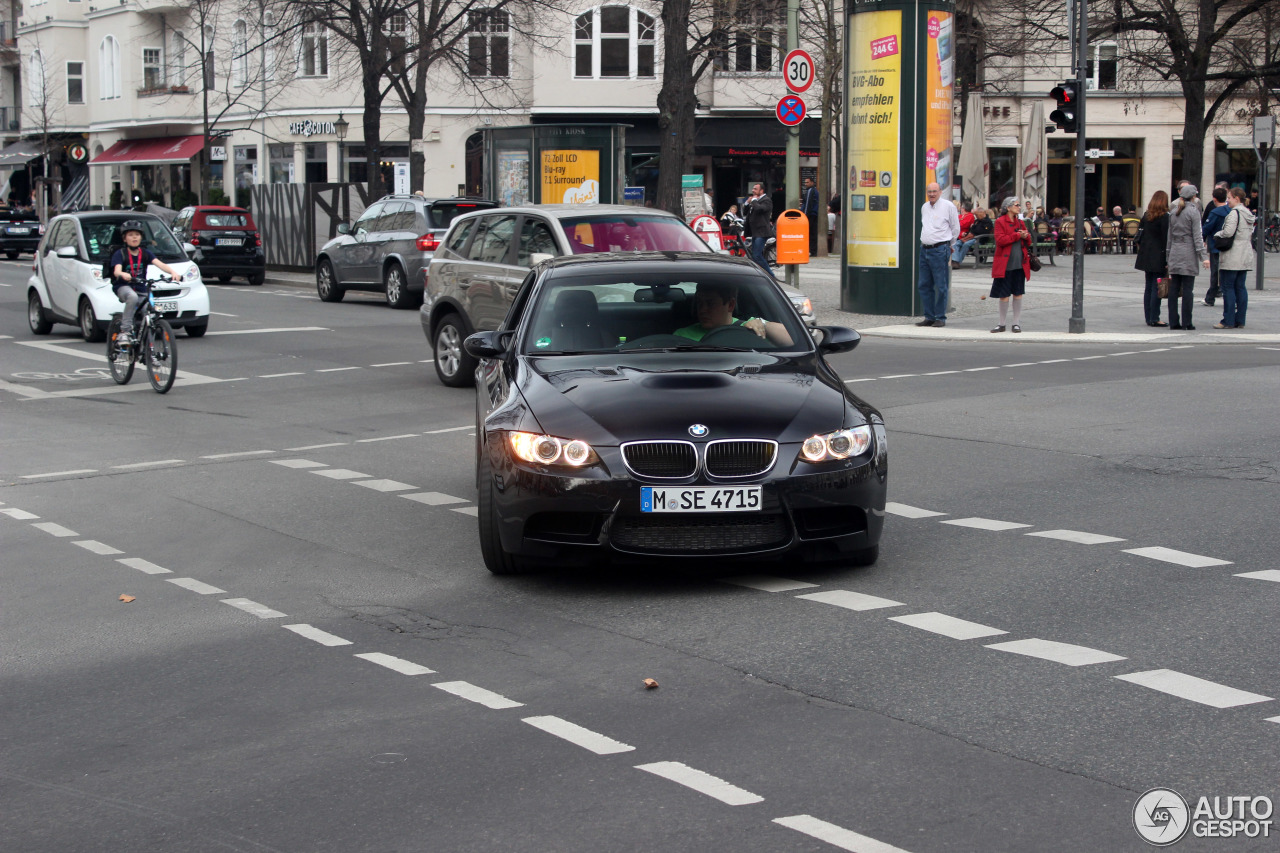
(488, 45)
(751, 39)
(281, 156)
(177, 59)
(152, 68)
(315, 51)
(1102, 66)
(240, 54)
(75, 82)
(613, 41)
(37, 80)
(109, 68)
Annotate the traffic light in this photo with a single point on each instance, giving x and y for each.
(1066, 115)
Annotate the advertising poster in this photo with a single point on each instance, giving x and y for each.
(513, 178)
(874, 107)
(940, 62)
(570, 177)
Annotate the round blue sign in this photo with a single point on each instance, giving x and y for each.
(791, 110)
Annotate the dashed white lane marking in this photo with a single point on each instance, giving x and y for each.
(1077, 536)
(324, 638)
(196, 586)
(1021, 364)
(1181, 558)
(1277, 349)
(278, 375)
(900, 376)
(1195, 689)
(450, 429)
(1264, 575)
(1055, 361)
(59, 473)
(472, 511)
(386, 438)
(427, 361)
(341, 474)
(434, 498)
(19, 514)
(1184, 346)
(851, 381)
(703, 783)
(400, 665)
(97, 547)
(909, 511)
(1162, 349)
(238, 453)
(336, 369)
(298, 463)
(576, 734)
(977, 369)
(155, 464)
(1114, 354)
(220, 314)
(266, 331)
(316, 446)
(850, 600)
(1088, 357)
(947, 626)
(765, 583)
(1064, 653)
(144, 566)
(54, 529)
(385, 485)
(253, 607)
(837, 836)
(940, 373)
(985, 523)
(392, 364)
(487, 698)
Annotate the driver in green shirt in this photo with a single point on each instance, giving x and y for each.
(715, 304)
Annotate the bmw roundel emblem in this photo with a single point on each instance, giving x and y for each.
(698, 430)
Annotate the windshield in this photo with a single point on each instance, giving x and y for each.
(443, 212)
(629, 233)
(662, 311)
(102, 236)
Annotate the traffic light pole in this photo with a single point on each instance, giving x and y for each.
(1076, 324)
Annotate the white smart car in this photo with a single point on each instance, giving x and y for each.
(67, 285)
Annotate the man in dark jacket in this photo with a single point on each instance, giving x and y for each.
(760, 225)
(1212, 225)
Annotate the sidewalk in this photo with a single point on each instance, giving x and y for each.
(1112, 306)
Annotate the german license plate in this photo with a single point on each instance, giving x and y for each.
(19, 230)
(227, 241)
(700, 499)
(166, 307)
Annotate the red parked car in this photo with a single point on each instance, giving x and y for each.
(227, 242)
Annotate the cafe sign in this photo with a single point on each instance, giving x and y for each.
(311, 128)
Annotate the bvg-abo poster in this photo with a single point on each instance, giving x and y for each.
(874, 107)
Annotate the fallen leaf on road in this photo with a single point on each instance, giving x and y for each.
(649, 684)
(127, 598)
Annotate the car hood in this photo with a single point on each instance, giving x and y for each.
(629, 397)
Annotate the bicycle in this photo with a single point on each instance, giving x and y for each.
(1273, 235)
(152, 338)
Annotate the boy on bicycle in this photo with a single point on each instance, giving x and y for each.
(129, 267)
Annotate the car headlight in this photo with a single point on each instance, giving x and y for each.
(191, 274)
(804, 306)
(551, 450)
(841, 444)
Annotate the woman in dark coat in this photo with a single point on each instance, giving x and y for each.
(1152, 237)
(1185, 253)
(1011, 266)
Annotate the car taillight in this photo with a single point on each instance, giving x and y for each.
(257, 239)
(428, 243)
(195, 239)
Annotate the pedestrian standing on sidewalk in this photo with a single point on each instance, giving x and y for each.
(1151, 246)
(1011, 267)
(809, 206)
(760, 226)
(1212, 225)
(1235, 263)
(939, 227)
(1186, 255)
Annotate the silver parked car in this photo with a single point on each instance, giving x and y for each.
(474, 275)
(388, 248)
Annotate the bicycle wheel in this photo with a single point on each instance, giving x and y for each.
(121, 363)
(161, 354)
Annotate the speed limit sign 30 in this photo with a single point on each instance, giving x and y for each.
(797, 69)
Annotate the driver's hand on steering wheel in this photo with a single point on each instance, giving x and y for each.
(756, 325)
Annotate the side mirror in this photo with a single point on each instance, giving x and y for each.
(837, 339)
(539, 257)
(344, 227)
(190, 249)
(68, 252)
(487, 344)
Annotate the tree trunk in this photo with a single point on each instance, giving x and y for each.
(1193, 131)
(372, 124)
(677, 106)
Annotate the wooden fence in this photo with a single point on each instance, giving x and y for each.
(295, 220)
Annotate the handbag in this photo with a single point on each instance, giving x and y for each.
(1224, 243)
(1162, 287)
(1035, 263)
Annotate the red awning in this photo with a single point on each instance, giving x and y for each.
(150, 152)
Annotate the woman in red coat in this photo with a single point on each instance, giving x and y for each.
(1011, 266)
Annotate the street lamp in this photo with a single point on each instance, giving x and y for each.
(340, 128)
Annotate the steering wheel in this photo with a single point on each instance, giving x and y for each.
(736, 336)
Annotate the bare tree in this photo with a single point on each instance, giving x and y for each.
(42, 109)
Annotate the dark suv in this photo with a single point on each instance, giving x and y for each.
(388, 248)
(227, 242)
(20, 231)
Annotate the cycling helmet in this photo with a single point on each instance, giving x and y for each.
(132, 225)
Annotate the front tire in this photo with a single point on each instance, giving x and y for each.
(223, 279)
(90, 329)
(36, 318)
(257, 279)
(453, 365)
(327, 284)
(161, 354)
(197, 331)
(496, 559)
(121, 364)
(13, 256)
(398, 295)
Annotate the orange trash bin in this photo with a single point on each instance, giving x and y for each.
(793, 237)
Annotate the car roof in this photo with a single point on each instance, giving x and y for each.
(598, 260)
(565, 211)
(433, 199)
(109, 216)
(218, 208)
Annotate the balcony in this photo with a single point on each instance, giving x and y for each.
(158, 91)
(9, 120)
(8, 39)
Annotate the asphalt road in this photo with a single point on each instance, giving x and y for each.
(315, 659)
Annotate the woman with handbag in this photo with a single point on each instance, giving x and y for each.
(1011, 266)
(1236, 257)
(1153, 234)
(1186, 254)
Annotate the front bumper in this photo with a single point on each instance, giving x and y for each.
(838, 509)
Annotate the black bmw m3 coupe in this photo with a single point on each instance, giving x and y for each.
(669, 405)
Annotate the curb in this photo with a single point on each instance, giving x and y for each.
(972, 335)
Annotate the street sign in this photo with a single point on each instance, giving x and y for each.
(798, 71)
(1264, 134)
(791, 110)
(77, 153)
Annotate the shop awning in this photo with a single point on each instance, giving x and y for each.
(19, 153)
(1238, 143)
(150, 152)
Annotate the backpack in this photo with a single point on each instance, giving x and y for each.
(108, 274)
